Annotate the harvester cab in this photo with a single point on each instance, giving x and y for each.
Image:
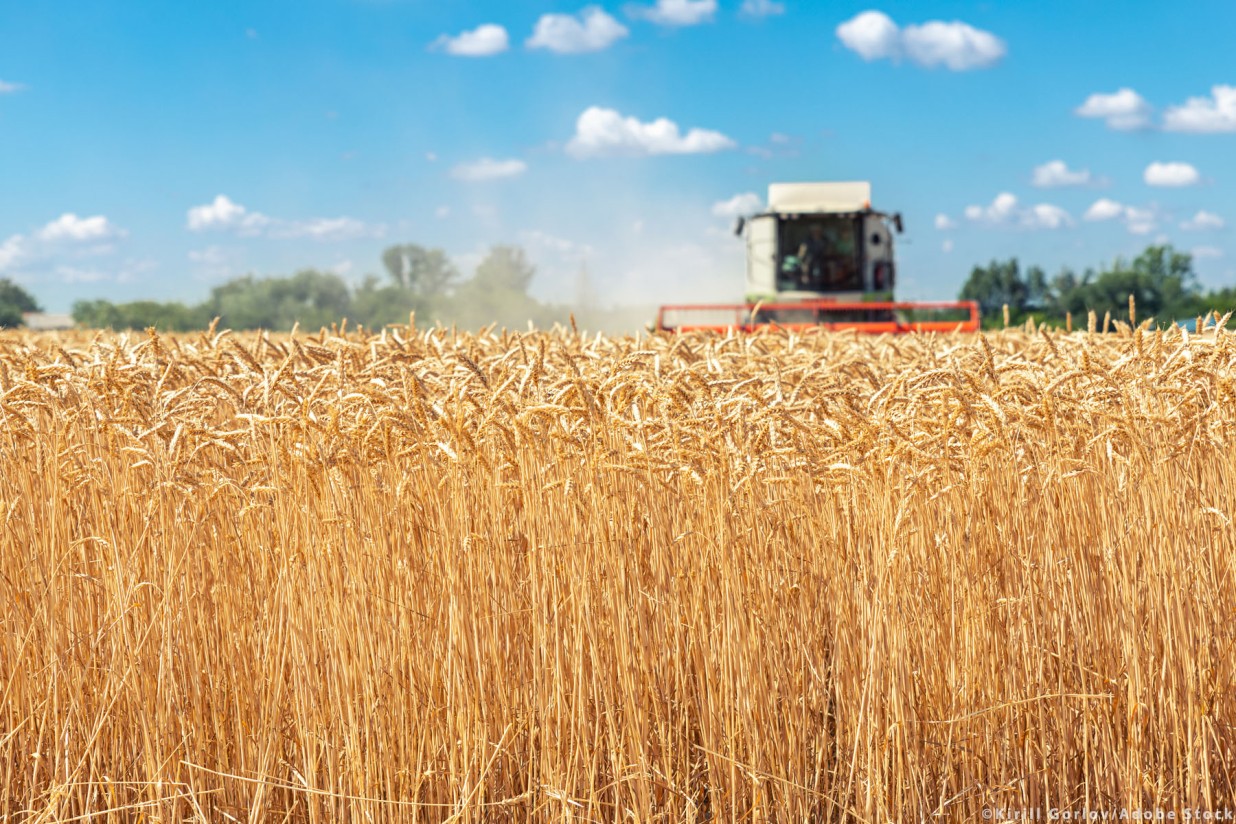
(819, 241)
(819, 255)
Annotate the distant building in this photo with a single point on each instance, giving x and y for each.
(46, 322)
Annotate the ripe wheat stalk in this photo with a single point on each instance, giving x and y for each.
(428, 576)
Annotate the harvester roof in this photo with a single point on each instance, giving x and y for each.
(819, 198)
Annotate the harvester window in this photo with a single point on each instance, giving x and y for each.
(821, 253)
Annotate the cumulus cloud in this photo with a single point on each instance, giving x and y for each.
(742, 205)
(761, 8)
(602, 132)
(946, 246)
(1055, 173)
(944, 222)
(70, 227)
(872, 35)
(224, 214)
(326, 229)
(1202, 221)
(1203, 252)
(1104, 209)
(1123, 110)
(1171, 174)
(593, 30)
(1000, 210)
(10, 88)
(955, 45)
(12, 251)
(676, 12)
(488, 169)
(1139, 221)
(68, 236)
(483, 41)
(1046, 216)
(1005, 210)
(1216, 113)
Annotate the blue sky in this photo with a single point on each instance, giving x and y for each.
(156, 149)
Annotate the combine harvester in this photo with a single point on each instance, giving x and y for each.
(820, 256)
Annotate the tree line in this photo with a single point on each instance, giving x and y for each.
(420, 280)
(1161, 280)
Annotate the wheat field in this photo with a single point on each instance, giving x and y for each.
(423, 575)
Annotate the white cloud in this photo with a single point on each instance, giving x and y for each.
(326, 229)
(12, 251)
(1001, 209)
(1103, 209)
(955, 45)
(223, 214)
(10, 88)
(1203, 252)
(1203, 220)
(1055, 173)
(762, 8)
(743, 205)
(1005, 211)
(1123, 110)
(442, 212)
(1171, 174)
(601, 132)
(1046, 216)
(946, 247)
(488, 169)
(1216, 113)
(676, 12)
(67, 238)
(1138, 221)
(483, 41)
(944, 222)
(70, 227)
(593, 30)
(872, 34)
(126, 272)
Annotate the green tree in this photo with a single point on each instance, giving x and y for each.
(311, 298)
(14, 301)
(1160, 280)
(995, 285)
(141, 314)
(505, 269)
(377, 303)
(425, 272)
(497, 292)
